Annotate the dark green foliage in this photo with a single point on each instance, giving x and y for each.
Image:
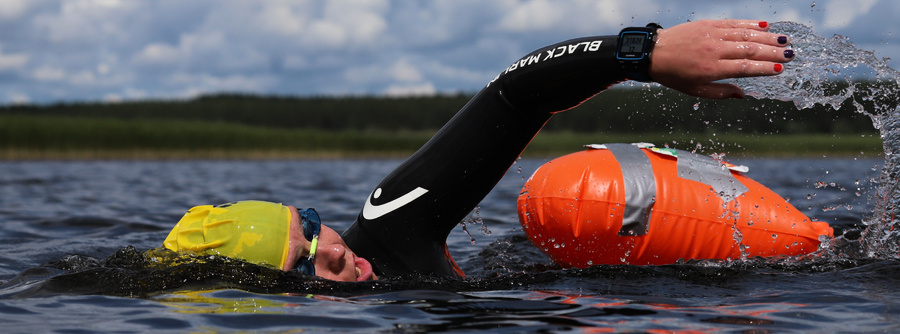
(359, 125)
(322, 113)
(620, 110)
(65, 133)
(632, 110)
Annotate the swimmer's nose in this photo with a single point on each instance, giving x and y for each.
(331, 257)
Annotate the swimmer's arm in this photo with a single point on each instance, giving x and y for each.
(689, 57)
(403, 227)
(559, 77)
(460, 165)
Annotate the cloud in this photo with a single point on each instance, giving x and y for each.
(18, 98)
(330, 25)
(158, 53)
(72, 50)
(403, 71)
(582, 16)
(86, 21)
(839, 14)
(410, 90)
(12, 8)
(12, 61)
(532, 15)
(48, 73)
(207, 83)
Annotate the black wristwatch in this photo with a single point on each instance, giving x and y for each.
(634, 49)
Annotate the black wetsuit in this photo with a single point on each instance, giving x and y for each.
(404, 226)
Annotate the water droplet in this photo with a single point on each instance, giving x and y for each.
(809, 82)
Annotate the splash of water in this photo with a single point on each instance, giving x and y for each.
(833, 72)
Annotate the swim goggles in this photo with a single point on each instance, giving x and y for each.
(312, 225)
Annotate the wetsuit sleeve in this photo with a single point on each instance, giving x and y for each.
(404, 224)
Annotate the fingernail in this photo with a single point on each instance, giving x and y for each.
(737, 96)
(778, 67)
(782, 39)
(789, 54)
(763, 24)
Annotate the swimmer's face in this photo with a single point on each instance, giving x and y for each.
(334, 260)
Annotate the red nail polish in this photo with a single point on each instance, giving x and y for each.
(737, 96)
(763, 24)
(778, 67)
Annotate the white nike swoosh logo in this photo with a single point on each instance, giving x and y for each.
(372, 211)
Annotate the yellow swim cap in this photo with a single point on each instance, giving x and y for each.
(253, 231)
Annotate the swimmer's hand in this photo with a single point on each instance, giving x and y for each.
(689, 57)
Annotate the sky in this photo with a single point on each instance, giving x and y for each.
(54, 51)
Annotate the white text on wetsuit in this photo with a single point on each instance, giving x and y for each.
(556, 52)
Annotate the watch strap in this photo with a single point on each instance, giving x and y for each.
(639, 69)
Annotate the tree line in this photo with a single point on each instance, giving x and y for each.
(616, 111)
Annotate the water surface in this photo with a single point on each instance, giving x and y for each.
(86, 213)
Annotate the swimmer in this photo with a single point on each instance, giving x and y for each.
(269, 234)
(404, 223)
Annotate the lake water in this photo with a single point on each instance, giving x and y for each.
(66, 268)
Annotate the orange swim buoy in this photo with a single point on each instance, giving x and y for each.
(641, 205)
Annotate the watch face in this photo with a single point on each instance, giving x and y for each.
(632, 45)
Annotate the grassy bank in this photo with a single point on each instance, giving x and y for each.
(48, 137)
(63, 137)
